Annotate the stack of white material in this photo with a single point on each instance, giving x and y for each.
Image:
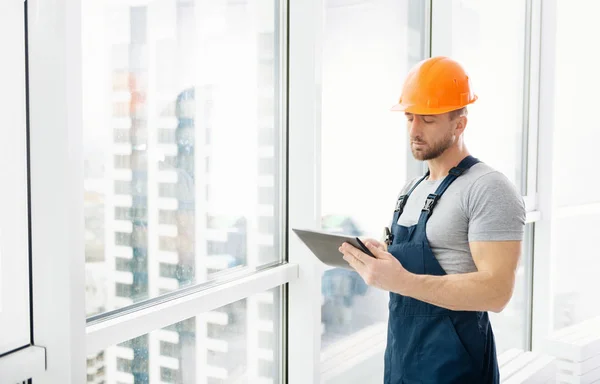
(577, 349)
(518, 366)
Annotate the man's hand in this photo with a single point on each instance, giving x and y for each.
(383, 272)
(376, 244)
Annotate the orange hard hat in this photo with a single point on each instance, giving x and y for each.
(434, 86)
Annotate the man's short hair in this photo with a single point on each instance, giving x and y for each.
(458, 113)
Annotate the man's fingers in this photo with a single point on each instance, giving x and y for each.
(378, 252)
(374, 243)
(355, 263)
(357, 253)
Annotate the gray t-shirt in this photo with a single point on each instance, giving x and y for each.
(480, 205)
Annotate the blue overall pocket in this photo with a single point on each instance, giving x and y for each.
(427, 349)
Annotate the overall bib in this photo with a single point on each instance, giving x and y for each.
(427, 343)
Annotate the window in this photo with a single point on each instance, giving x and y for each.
(167, 217)
(168, 270)
(576, 83)
(153, 90)
(169, 162)
(163, 74)
(167, 375)
(123, 239)
(14, 220)
(122, 290)
(512, 325)
(234, 343)
(368, 48)
(124, 365)
(121, 135)
(475, 34)
(122, 264)
(576, 216)
(169, 349)
(184, 125)
(122, 188)
(166, 136)
(122, 161)
(496, 59)
(167, 190)
(576, 280)
(167, 244)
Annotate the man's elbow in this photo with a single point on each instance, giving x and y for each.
(498, 307)
(500, 302)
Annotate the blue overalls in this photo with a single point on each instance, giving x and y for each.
(427, 343)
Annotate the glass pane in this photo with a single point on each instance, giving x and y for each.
(511, 326)
(577, 81)
(576, 284)
(368, 48)
(15, 316)
(238, 343)
(182, 143)
(494, 57)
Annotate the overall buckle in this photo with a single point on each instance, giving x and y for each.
(400, 203)
(431, 201)
(388, 238)
(456, 171)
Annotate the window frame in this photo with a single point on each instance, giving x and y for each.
(545, 241)
(57, 228)
(60, 324)
(304, 143)
(15, 311)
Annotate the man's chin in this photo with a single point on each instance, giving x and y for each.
(420, 156)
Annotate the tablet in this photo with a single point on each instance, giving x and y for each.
(325, 246)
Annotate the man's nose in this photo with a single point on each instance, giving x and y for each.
(414, 128)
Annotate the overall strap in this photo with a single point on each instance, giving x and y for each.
(453, 174)
(402, 199)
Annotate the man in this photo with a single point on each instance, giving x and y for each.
(454, 244)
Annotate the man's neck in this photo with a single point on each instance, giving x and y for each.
(440, 166)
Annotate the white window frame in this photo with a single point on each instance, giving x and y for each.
(15, 322)
(20, 358)
(57, 178)
(57, 207)
(105, 333)
(544, 244)
(304, 129)
(546, 229)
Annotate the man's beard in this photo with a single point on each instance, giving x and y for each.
(434, 151)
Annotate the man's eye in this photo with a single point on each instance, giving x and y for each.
(427, 121)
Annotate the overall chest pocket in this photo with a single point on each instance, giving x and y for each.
(410, 255)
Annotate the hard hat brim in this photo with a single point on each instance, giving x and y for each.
(418, 110)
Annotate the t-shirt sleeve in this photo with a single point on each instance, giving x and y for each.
(495, 209)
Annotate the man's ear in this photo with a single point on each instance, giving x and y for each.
(461, 124)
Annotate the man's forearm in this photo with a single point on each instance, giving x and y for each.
(477, 291)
